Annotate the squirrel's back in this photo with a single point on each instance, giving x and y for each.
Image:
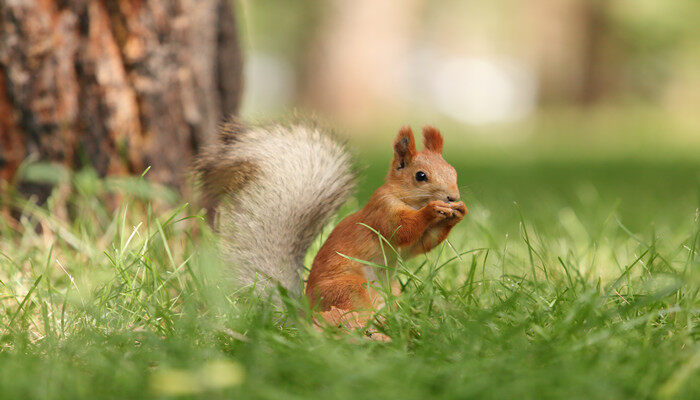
(273, 188)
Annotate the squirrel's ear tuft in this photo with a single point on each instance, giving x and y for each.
(432, 139)
(404, 147)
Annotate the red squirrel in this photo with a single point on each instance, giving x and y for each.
(415, 209)
(273, 188)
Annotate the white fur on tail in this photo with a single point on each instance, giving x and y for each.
(301, 177)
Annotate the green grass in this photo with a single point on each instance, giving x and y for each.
(577, 277)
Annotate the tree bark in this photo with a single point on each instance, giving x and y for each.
(118, 85)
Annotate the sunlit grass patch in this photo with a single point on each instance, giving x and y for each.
(565, 280)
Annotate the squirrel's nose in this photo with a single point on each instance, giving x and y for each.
(452, 198)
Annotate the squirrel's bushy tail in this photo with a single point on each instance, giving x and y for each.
(273, 188)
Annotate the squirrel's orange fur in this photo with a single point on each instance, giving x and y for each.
(415, 215)
(274, 186)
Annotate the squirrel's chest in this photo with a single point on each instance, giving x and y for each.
(385, 257)
(432, 234)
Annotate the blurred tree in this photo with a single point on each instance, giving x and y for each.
(356, 65)
(564, 41)
(118, 85)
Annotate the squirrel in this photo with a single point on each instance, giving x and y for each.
(274, 187)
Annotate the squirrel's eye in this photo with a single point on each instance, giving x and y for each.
(421, 176)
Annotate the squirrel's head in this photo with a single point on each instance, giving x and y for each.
(419, 177)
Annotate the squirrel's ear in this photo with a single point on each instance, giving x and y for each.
(432, 139)
(404, 147)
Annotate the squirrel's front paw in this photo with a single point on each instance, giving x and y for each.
(459, 208)
(439, 210)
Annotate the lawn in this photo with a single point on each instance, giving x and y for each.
(574, 275)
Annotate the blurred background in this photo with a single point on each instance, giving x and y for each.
(497, 70)
(574, 109)
(557, 105)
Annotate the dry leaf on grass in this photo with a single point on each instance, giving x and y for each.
(350, 320)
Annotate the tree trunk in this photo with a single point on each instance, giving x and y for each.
(118, 85)
(353, 80)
